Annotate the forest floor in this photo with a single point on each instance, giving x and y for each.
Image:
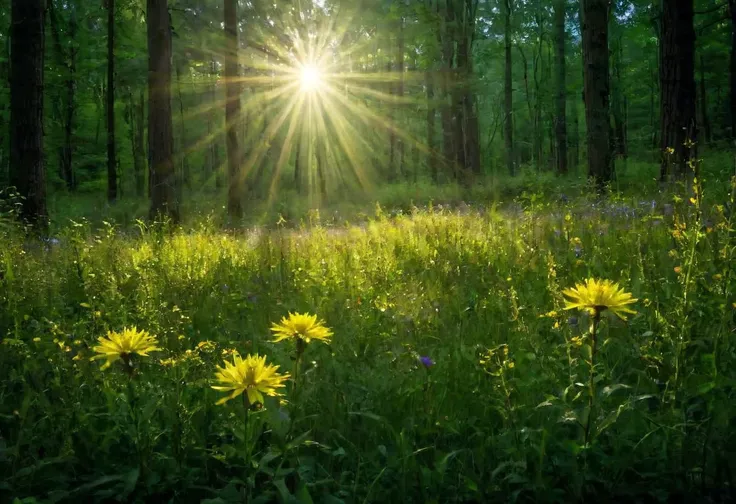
(454, 373)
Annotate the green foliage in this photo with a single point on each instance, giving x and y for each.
(498, 417)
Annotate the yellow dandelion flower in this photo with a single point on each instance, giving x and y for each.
(121, 345)
(304, 327)
(596, 296)
(250, 375)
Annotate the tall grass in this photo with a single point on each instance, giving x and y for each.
(500, 416)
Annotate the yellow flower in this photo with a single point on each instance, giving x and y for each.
(303, 327)
(596, 296)
(121, 345)
(250, 375)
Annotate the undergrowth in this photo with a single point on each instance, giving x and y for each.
(454, 373)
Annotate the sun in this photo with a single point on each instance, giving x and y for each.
(311, 78)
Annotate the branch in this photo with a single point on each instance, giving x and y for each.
(712, 9)
(701, 29)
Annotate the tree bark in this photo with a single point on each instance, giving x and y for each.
(678, 127)
(508, 91)
(561, 102)
(732, 68)
(26, 108)
(112, 176)
(704, 103)
(232, 111)
(447, 44)
(596, 87)
(160, 128)
(139, 159)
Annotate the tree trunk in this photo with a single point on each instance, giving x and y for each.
(112, 177)
(448, 55)
(217, 168)
(678, 128)
(561, 102)
(617, 104)
(140, 157)
(232, 111)
(185, 175)
(26, 108)
(508, 91)
(400, 93)
(432, 160)
(66, 116)
(160, 128)
(704, 103)
(732, 68)
(596, 89)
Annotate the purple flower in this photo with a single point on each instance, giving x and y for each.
(426, 361)
(573, 321)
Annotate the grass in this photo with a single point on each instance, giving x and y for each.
(500, 416)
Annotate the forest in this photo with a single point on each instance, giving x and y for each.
(367, 251)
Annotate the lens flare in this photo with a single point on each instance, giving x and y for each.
(311, 78)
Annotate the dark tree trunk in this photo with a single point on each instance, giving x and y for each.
(217, 168)
(26, 108)
(596, 89)
(678, 128)
(732, 67)
(508, 92)
(183, 144)
(66, 106)
(112, 176)
(704, 104)
(561, 102)
(139, 159)
(232, 111)
(448, 55)
(160, 129)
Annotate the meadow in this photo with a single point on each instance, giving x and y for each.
(454, 373)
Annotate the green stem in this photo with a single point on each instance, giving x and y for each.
(591, 383)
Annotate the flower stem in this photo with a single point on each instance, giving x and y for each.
(591, 383)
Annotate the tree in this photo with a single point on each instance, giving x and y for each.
(561, 102)
(160, 130)
(232, 110)
(678, 128)
(26, 107)
(112, 176)
(508, 90)
(596, 89)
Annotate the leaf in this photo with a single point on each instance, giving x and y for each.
(610, 389)
(302, 494)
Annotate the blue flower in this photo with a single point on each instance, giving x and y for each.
(426, 361)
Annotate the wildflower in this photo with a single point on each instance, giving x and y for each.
(36, 340)
(121, 345)
(301, 327)
(426, 361)
(670, 150)
(678, 269)
(596, 296)
(250, 375)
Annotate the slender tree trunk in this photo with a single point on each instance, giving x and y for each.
(64, 107)
(575, 135)
(596, 89)
(185, 175)
(508, 91)
(704, 103)
(448, 55)
(732, 68)
(400, 93)
(160, 128)
(112, 176)
(561, 102)
(432, 160)
(617, 104)
(678, 128)
(140, 159)
(217, 168)
(26, 108)
(232, 111)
